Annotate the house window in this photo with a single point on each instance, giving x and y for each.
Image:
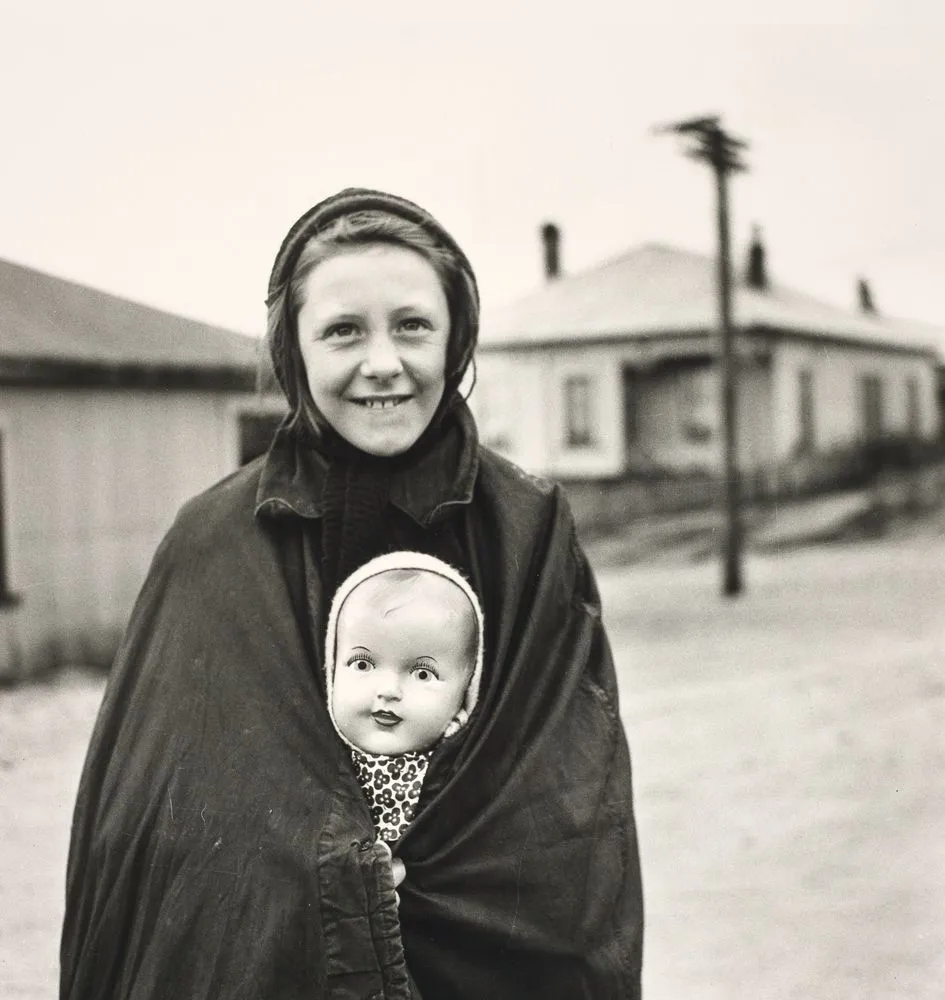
(256, 431)
(492, 411)
(697, 404)
(913, 408)
(871, 406)
(631, 406)
(805, 411)
(6, 596)
(579, 429)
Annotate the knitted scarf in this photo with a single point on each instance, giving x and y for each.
(357, 520)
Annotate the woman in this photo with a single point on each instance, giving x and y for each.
(222, 847)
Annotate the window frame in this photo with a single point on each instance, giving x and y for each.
(806, 412)
(913, 406)
(872, 407)
(577, 390)
(492, 419)
(630, 382)
(697, 390)
(252, 405)
(8, 598)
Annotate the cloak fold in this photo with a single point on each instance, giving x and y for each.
(222, 847)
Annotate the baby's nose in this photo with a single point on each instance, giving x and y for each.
(388, 685)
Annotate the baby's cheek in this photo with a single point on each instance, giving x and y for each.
(456, 702)
(344, 711)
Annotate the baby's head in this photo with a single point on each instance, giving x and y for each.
(404, 654)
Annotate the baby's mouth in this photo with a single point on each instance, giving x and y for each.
(387, 719)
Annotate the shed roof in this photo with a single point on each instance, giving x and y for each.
(656, 289)
(45, 320)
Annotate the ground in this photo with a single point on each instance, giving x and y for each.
(788, 755)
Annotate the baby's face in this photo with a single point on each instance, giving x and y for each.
(404, 656)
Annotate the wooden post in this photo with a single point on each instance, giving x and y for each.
(721, 150)
(732, 557)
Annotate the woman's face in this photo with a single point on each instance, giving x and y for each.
(373, 330)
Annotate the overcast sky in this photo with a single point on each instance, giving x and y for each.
(161, 155)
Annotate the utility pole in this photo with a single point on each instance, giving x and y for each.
(722, 151)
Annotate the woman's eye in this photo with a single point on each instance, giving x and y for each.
(341, 331)
(414, 324)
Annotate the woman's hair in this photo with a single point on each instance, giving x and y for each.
(366, 228)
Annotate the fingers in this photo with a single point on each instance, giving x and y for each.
(399, 869)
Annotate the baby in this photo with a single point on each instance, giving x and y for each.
(403, 662)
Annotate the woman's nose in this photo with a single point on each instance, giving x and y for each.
(381, 359)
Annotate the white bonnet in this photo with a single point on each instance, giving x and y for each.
(405, 560)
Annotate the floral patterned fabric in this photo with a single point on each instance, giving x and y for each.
(392, 786)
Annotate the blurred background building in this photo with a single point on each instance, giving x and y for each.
(112, 414)
(605, 379)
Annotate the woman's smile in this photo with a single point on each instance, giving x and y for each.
(381, 402)
(373, 330)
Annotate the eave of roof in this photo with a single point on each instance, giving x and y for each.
(56, 324)
(655, 290)
(70, 374)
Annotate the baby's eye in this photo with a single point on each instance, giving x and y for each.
(424, 673)
(360, 664)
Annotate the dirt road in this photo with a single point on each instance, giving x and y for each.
(789, 750)
(788, 757)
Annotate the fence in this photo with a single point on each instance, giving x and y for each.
(900, 475)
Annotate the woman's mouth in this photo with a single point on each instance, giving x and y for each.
(386, 719)
(381, 402)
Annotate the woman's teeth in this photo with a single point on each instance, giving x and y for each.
(381, 404)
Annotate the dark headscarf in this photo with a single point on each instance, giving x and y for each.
(462, 292)
(358, 485)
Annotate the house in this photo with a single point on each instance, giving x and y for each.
(934, 335)
(609, 375)
(112, 414)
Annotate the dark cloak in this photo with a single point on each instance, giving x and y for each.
(222, 848)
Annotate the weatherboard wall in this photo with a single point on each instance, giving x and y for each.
(92, 480)
(836, 373)
(521, 396)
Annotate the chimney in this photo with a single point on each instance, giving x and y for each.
(865, 297)
(756, 275)
(551, 238)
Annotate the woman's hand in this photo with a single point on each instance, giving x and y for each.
(397, 867)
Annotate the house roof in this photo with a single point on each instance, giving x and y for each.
(48, 323)
(657, 289)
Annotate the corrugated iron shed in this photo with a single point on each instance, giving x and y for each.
(53, 330)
